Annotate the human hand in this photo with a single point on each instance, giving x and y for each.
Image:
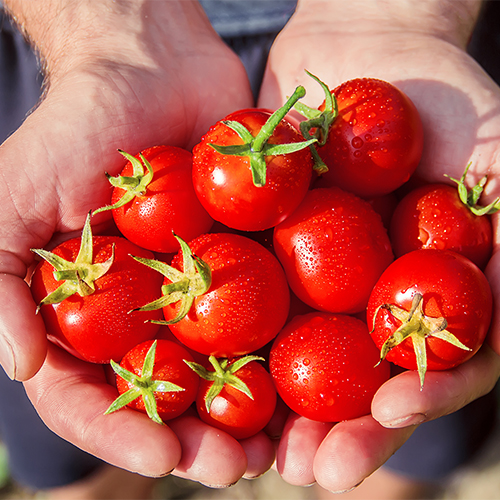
(419, 47)
(123, 76)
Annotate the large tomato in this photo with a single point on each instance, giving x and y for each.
(92, 318)
(154, 196)
(226, 183)
(430, 309)
(375, 142)
(333, 248)
(235, 305)
(325, 367)
(436, 216)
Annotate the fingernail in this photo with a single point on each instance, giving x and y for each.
(406, 421)
(7, 359)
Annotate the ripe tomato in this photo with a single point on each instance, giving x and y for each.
(154, 196)
(96, 326)
(154, 378)
(324, 367)
(431, 309)
(228, 188)
(375, 142)
(242, 305)
(238, 396)
(333, 248)
(434, 216)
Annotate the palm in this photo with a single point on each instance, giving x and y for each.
(460, 110)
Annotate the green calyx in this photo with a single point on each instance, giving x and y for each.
(317, 124)
(223, 374)
(143, 385)
(257, 148)
(184, 287)
(78, 276)
(470, 198)
(418, 327)
(135, 185)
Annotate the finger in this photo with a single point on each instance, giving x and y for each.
(209, 456)
(353, 450)
(260, 452)
(298, 445)
(23, 340)
(400, 402)
(71, 397)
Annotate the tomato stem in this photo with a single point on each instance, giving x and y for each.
(257, 148)
(224, 373)
(415, 325)
(470, 198)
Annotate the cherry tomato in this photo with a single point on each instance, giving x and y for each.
(430, 309)
(97, 326)
(154, 378)
(225, 183)
(237, 304)
(333, 248)
(238, 396)
(154, 196)
(375, 143)
(433, 216)
(324, 367)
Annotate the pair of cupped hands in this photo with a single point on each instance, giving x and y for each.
(131, 76)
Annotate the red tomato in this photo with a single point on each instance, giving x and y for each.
(433, 216)
(375, 143)
(164, 387)
(450, 300)
(239, 411)
(99, 326)
(246, 305)
(165, 204)
(333, 248)
(225, 185)
(324, 367)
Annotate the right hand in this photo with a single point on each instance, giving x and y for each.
(120, 75)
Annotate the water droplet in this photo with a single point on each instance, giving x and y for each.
(357, 142)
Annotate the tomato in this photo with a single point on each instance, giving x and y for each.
(333, 248)
(154, 378)
(227, 185)
(375, 142)
(154, 196)
(233, 301)
(435, 303)
(325, 367)
(97, 325)
(238, 396)
(436, 216)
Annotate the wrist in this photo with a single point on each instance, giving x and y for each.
(68, 33)
(451, 20)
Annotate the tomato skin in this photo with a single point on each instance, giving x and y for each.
(169, 366)
(224, 183)
(376, 141)
(452, 287)
(333, 248)
(233, 411)
(432, 216)
(169, 205)
(324, 369)
(247, 303)
(98, 327)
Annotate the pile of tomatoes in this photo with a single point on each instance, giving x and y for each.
(276, 260)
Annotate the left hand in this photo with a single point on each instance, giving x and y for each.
(459, 104)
